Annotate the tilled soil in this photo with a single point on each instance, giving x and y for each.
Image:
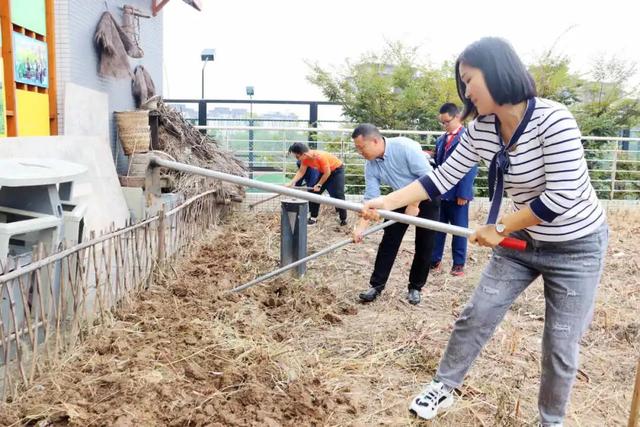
(301, 352)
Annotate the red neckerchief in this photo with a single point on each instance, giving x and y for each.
(450, 139)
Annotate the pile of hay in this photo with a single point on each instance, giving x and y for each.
(186, 144)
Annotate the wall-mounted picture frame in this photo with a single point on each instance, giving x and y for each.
(30, 61)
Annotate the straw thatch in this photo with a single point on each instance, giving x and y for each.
(142, 85)
(114, 48)
(186, 144)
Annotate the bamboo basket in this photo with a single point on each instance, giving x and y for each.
(133, 131)
(135, 141)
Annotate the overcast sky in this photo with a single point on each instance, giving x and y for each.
(264, 43)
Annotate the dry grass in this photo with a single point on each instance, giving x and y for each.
(185, 144)
(304, 352)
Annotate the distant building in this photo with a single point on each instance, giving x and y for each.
(239, 113)
(187, 112)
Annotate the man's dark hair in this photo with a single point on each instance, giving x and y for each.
(367, 130)
(449, 108)
(507, 78)
(298, 148)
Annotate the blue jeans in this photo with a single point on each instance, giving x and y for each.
(452, 213)
(310, 177)
(335, 187)
(571, 272)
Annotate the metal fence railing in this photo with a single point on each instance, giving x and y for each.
(614, 162)
(49, 305)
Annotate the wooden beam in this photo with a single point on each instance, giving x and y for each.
(156, 6)
(51, 47)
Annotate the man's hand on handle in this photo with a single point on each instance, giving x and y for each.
(359, 229)
(369, 209)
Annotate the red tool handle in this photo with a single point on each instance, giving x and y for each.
(512, 243)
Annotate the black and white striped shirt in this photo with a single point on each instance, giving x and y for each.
(547, 172)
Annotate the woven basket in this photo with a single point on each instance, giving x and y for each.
(133, 131)
(131, 119)
(135, 140)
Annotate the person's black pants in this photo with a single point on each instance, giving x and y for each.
(390, 244)
(335, 187)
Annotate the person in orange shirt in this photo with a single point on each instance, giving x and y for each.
(332, 178)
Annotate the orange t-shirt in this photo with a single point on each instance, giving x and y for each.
(322, 161)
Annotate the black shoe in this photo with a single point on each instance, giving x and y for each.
(370, 295)
(343, 222)
(312, 221)
(413, 296)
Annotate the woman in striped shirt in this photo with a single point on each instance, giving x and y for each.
(533, 150)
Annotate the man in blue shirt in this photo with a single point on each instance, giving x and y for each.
(454, 204)
(396, 162)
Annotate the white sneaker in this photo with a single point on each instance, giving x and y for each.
(434, 397)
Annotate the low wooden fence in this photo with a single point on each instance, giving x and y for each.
(51, 304)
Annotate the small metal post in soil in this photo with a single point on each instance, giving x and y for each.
(318, 254)
(293, 233)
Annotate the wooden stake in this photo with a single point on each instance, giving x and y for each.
(162, 250)
(635, 401)
(16, 334)
(107, 282)
(96, 272)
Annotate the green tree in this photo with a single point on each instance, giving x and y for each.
(392, 90)
(610, 104)
(554, 80)
(607, 103)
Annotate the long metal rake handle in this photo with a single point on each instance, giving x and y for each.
(259, 202)
(508, 242)
(324, 251)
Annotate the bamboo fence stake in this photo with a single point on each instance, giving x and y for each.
(16, 334)
(634, 416)
(161, 239)
(27, 311)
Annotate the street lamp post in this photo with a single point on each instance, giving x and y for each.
(206, 56)
(250, 93)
